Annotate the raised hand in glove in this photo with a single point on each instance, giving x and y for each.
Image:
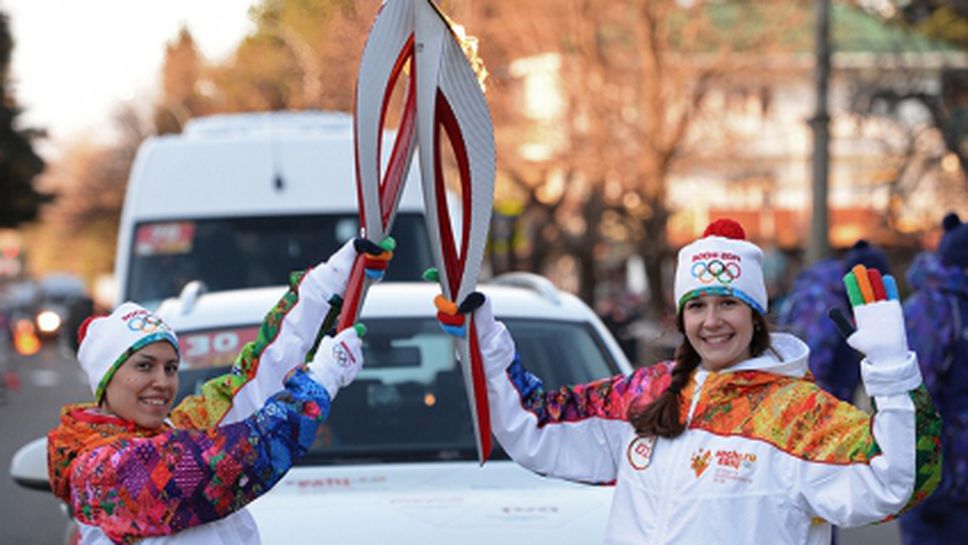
(495, 343)
(338, 359)
(334, 274)
(452, 316)
(880, 334)
(376, 257)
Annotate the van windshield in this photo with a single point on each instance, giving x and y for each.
(250, 252)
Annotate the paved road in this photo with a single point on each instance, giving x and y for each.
(52, 378)
(47, 381)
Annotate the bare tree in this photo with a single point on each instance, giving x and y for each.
(92, 179)
(182, 83)
(302, 55)
(632, 79)
(914, 96)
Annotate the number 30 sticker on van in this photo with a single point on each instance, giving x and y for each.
(164, 238)
(214, 348)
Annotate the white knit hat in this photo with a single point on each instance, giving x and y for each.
(721, 263)
(106, 342)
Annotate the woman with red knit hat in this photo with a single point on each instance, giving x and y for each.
(132, 469)
(731, 442)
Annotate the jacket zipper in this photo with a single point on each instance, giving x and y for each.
(666, 487)
(700, 380)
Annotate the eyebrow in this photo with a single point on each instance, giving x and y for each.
(154, 359)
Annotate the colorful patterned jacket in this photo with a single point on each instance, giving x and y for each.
(817, 289)
(225, 447)
(767, 456)
(937, 322)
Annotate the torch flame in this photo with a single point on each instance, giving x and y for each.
(469, 44)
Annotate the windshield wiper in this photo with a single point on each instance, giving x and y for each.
(396, 454)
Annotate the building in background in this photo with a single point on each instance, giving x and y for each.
(889, 169)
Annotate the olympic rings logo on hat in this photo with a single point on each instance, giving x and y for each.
(715, 270)
(146, 323)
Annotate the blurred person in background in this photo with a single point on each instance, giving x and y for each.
(730, 442)
(77, 311)
(619, 312)
(816, 290)
(937, 323)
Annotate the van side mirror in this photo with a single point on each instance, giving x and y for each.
(189, 295)
(29, 466)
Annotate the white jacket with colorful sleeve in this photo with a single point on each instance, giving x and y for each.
(286, 337)
(767, 456)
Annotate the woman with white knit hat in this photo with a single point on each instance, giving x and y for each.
(132, 469)
(731, 442)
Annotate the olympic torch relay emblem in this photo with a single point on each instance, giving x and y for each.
(444, 97)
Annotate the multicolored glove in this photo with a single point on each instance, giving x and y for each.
(452, 317)
(497, 346)
(376, 257)
(334, 273)
(338, 359)
(880, 334)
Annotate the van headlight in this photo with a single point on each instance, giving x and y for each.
(48, 321)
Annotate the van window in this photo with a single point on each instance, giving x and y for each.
(408, 403)
(410, 394)
(250, 252)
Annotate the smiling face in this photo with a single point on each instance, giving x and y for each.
(143, 388)
(719, 328)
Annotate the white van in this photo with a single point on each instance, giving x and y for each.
(241, 200)
(398, 446)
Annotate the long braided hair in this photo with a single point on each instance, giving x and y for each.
(661, 418)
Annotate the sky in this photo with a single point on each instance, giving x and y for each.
(75, 61)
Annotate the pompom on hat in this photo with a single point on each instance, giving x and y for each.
(953, 249)
(723, 263)
(106, 342)
(862, 253)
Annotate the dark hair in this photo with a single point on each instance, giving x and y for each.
(661, 417)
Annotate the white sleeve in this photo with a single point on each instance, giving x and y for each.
(896, 466)
(289, 332)
(573, 433)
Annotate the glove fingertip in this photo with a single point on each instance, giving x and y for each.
(431, 275)
(877, 284)
(445, 305)
(360, 329)
(389, 244)
(890, 287)
(853, 290)
(863, 283)
(366, 246)
(472, 302)
(841, 322)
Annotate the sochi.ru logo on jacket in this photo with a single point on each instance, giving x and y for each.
(731, 465)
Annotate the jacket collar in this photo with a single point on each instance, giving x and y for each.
(792, 360)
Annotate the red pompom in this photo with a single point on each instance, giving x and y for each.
(726, 228)
(82, 329)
